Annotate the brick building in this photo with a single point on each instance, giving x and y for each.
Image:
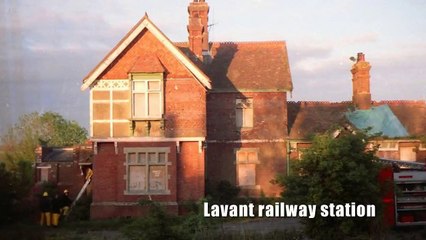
(166, 118)
(401, 123)
(63, 166)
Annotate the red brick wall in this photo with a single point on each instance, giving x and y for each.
(146, 44)
(185, 108)
(269, 124)
(185, 97)
(66, 175)
(190, 172)
(185, 116)
(220, 165)
(109, 185)
(269, 111)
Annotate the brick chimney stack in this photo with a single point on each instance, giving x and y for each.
(198, 38)
(361, 97)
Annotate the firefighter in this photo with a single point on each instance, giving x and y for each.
(65, 203)
(56, 210)
(45, 209)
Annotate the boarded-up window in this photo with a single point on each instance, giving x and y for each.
(157, 178)
(407, 153)
(44, 174)
(246, 160)
(146, 170)
(244, 113)
(147, 99)
(247, 174)
(137, 178)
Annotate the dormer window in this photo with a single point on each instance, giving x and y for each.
(147, 96)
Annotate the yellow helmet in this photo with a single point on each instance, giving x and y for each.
(45, 194)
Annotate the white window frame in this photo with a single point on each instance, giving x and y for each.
(146, 79)
(239, 162)
(387, 145)
(147, 165)
(244, 105)
(44, 168)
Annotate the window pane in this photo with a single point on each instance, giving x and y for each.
(239, 117)
(139, 86)
(157, 178)
(152, 157)
(139, 105)
(44, 174)
(162, 158)
(241, 157)
(246, 174)
(154, 104)
(137, 178)
(132, 158)
(248, 117)
(154, 85)
(252, 157)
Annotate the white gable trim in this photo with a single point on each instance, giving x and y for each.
(146, 23)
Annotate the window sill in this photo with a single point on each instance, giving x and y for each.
(257, 187)
(147, 119)
(166, 192)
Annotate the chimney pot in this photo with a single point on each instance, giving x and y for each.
(361, 57)
(361, 83)
(198, 28)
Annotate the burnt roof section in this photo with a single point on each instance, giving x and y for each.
(51, 154)
(308, 118)
(246, 66)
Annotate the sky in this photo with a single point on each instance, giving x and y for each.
(48, 46)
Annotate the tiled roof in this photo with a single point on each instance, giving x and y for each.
(57, 154)
(247, 66)
(411, 114)
(307, 118)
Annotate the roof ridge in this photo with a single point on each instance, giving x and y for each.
(319, 102)
(400, 101)
(271, 42)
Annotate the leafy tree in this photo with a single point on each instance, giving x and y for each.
(18, 154)
(34, 129)
(335, 170)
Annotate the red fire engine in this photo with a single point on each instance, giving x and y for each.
(405, 200)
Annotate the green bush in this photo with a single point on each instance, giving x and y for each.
(157, 225)
(81, 210)
(15, 185)
(336, 170)
(222, 192)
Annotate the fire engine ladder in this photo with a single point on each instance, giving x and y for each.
(89, 176)
(404, 164)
